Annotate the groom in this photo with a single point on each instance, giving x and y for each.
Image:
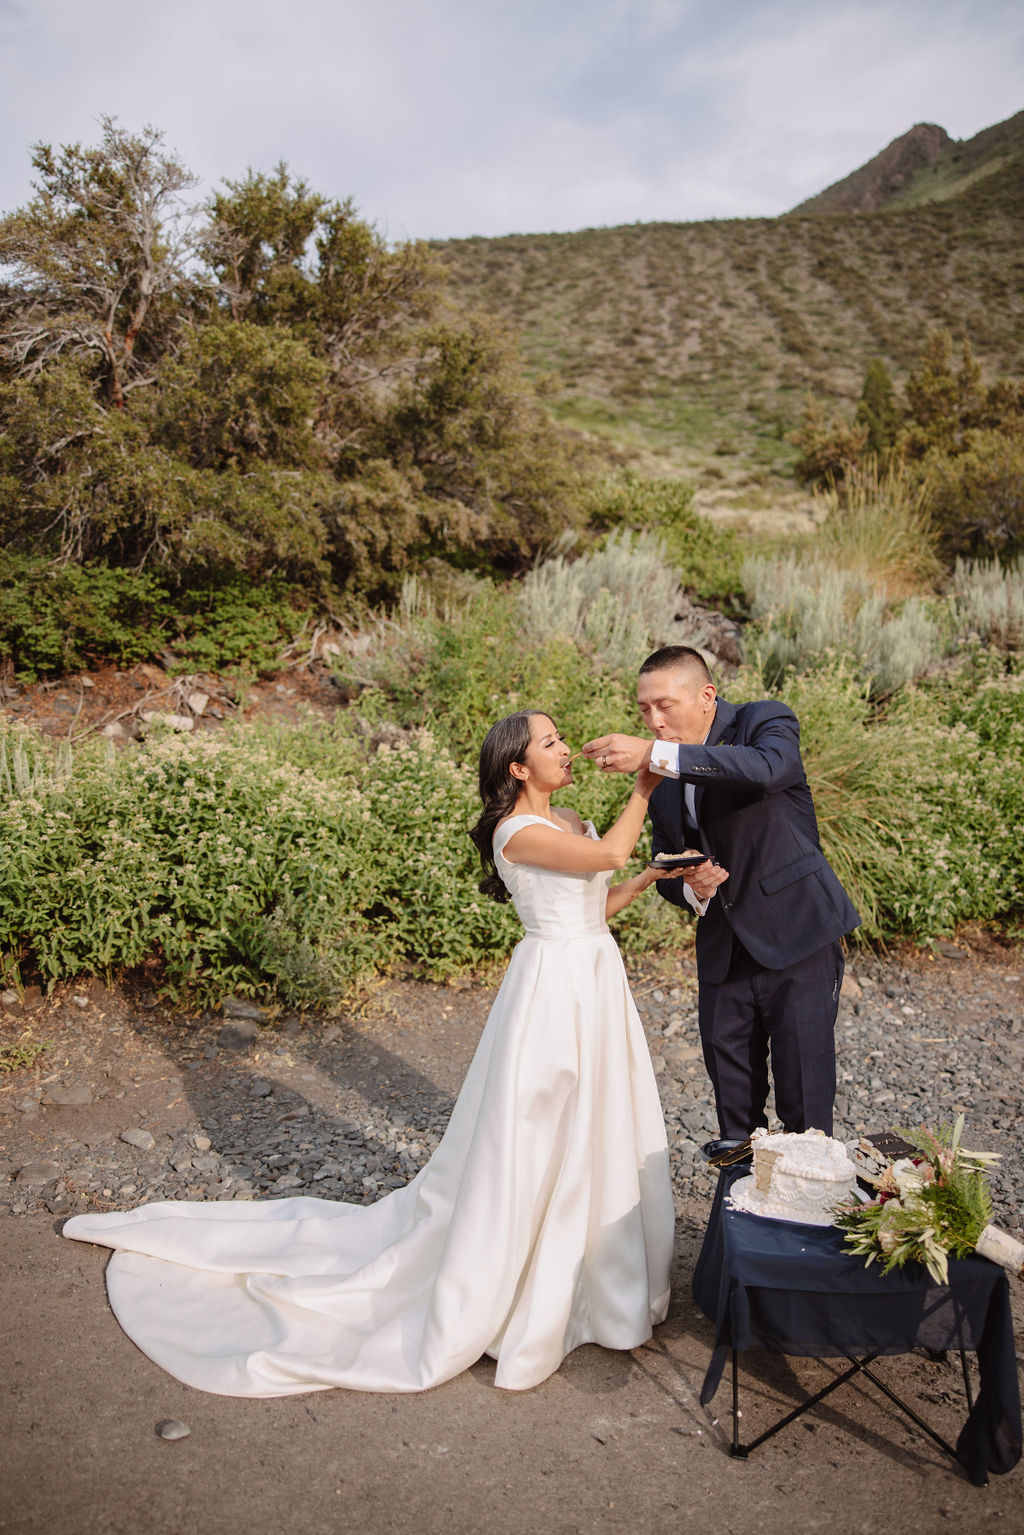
(772, 912)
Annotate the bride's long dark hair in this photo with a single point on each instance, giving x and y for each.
(505, 743)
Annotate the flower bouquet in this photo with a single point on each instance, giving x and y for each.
(929, 1204)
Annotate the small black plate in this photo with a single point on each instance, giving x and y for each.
(712, 1150)
(680, 861)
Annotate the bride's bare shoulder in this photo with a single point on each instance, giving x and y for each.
(569, 817)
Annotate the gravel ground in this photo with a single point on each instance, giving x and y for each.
(132, 1103)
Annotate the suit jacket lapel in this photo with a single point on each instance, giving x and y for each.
(722, 732)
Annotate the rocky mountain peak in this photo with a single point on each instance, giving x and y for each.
(882, 179)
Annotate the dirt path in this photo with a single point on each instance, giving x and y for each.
(612, 1442)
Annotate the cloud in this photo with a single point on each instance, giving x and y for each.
(461, 116)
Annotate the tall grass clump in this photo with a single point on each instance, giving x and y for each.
(877, 525)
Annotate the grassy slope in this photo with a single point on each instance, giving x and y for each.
(696, 341)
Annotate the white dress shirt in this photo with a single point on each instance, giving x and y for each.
(665, 760)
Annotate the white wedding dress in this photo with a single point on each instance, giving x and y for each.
(544, 1219)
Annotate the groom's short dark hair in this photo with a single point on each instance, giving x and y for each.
(679, 658)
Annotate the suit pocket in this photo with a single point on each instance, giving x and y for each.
(810, 862)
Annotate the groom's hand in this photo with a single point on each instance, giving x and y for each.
(619, 754)
(705, 879)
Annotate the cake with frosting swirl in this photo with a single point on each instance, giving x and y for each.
(796, 1177)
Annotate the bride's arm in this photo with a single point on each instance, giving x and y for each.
(548, 848)
(621, 895)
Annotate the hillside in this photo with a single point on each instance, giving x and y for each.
(695, 343)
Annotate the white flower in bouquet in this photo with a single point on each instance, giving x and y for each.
(929, 1206)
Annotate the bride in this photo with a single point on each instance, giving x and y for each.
(544, 1219)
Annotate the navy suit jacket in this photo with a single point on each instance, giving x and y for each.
(782, 899)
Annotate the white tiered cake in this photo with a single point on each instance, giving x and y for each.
(796, 1177)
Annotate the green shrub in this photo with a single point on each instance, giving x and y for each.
(977, 498)
(827, 445)
(989, 601)
(961, 800)
(241, 626)
(59, 619)
(185, 850)
(289, 861)
(62, 619)
(804, 610)
(877, 410)
(708, 559)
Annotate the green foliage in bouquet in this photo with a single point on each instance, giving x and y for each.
(927, 1207)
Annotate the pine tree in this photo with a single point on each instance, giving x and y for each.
(877, 410)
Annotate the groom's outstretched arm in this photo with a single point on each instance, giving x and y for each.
(619, 753)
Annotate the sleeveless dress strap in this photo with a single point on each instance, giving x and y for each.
(516, 823)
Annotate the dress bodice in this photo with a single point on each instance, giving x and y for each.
(552, 904)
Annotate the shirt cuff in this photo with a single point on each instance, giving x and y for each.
(699, 906)
(665, 758)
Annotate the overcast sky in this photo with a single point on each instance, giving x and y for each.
(458, 117)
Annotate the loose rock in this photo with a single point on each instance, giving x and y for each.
(241, 1007)
(67, 1096)
(140, 1138)
(237, 1034)
(36, 1175)
(172, 1428)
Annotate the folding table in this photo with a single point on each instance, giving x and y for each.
(793, 1288)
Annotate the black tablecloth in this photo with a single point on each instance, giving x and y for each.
(793, 1288)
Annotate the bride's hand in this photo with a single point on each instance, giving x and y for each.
(652, 876)
(647, 782)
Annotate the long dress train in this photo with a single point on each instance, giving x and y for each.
(543, 1220)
